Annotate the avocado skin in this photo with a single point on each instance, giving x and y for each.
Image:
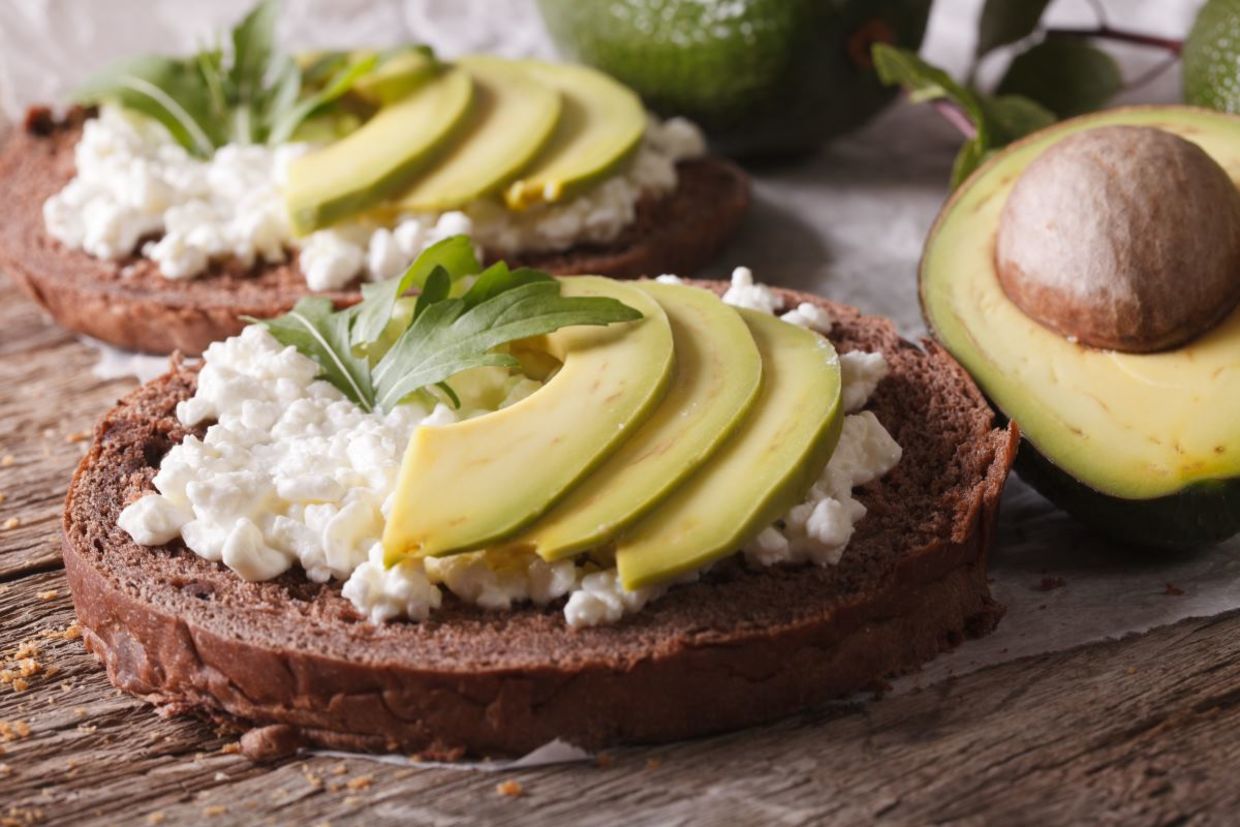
(1210, 70)
(781, 77)
(1201, 514)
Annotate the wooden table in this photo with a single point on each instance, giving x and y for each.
(1140, 731)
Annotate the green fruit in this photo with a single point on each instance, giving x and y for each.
(381, 158)
(764, 468)
(601, 123)
(1145, 447)
(1211, 57)
(512, 119)
(479, 481)
(761, 76)
(717, 374)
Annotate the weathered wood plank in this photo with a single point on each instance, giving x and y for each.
(48, 403)
(1143, 730)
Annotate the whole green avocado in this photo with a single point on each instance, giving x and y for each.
(762, 77)
(1212, 57)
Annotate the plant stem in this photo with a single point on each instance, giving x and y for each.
(955, 116)
(1106, 32)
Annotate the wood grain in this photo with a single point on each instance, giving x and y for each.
(1140, 731)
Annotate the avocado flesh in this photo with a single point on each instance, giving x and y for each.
(513, 118)
(601, 125)
(472, 483)
(399, 72)
(715, 381)
(1136, 427)
(381, 158)
(761, 471)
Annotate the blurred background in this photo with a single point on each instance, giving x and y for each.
(846, 220)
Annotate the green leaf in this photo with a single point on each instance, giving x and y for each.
(1066, 75)
(168, 90)
(497, 278)
(253, 42)
(1007, 21)
(454, 254)
(449, 337)
(286, 118)
(438, 286)
(971, 156)
(925, 82)
(1012, 117)
(321, 332)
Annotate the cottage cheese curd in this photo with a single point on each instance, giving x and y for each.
(292, 472)
(134, 182)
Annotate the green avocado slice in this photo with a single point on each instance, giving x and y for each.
(717, 375)
(399, 72)
(513, 118)
(602, 124)
(761, 471)
(380, 159)
(472, 483)
(1145, 447)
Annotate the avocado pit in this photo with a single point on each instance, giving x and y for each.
(1124, 238)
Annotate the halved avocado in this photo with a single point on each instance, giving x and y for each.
(513, 118)
(763, 470)
(381, 158)
(1143, 447)
(475, 482)
(601, 125)
(715, 381)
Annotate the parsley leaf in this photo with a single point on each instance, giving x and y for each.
(445, 335)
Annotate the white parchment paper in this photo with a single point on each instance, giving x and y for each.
(847, 224)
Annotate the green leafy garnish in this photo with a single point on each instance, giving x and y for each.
(995, 121)
(444, 336)
(246, 93)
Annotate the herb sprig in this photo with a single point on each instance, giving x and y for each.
(245, 92)
(379, 360)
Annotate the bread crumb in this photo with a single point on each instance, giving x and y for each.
(156, 817)
(315, 781)
(14, 730)
(87, 728)
(510, 788)
(362, 782)
(5, 770)
(351, 801)
(231, 748)
(7, 460)
(603, 760)
(654, 763)
(72, 632)
(50, 594)
(20, 684)
(12, 522)
(77, 436)
(3, 496)
(340, 769)
(214, 810)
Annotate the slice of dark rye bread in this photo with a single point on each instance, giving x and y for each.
(296, 662)
(129, 304)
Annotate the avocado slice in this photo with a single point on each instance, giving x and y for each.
(381, 158)
(764, 468)
(717, 375)
(513, 119)
(1143, 447)
(601, 125)
(475, 482)
(398, 72)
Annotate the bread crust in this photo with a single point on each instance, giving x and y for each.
(293, 660)
(130, 305)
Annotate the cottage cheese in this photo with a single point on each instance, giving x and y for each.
(294, 473)
(135, 182)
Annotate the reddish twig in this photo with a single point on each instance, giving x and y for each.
(955, 116)
(1105, 32)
